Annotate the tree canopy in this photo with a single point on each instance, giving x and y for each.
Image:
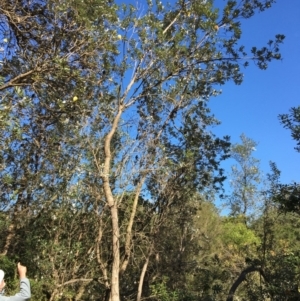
(107, 150)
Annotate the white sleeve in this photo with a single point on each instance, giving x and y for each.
(23, 295)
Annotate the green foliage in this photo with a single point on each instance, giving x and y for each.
(237, 234)
(288, 197)
(159, 291)
(8, 265)
(107, 153)
(291, 121)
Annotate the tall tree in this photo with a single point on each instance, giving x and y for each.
(245, 178)
(119, 103)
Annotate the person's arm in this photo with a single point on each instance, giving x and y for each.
(25, 292)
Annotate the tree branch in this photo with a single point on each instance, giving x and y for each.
(76, 280)
(13, 81)
(241, 278)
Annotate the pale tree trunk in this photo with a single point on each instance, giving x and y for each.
(142, 276)
(115, 290)
(53, 295)
(130, 225)
(80, 292)
(105, 171)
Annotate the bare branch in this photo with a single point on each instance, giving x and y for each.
(14, 81)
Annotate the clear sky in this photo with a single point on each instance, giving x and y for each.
(253, 107)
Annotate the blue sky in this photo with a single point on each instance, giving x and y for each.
(253, 107)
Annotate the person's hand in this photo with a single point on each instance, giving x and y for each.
(22, 270)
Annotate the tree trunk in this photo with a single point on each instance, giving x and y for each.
(130, 225)
(116, 254)
(112, 204)
(241, 278)
(143, 273)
